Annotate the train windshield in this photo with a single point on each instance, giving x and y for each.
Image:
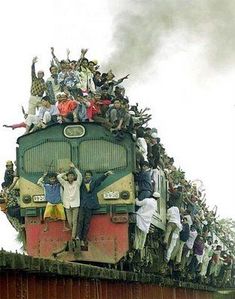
(49, 155)
(97, 155)
(101, 155)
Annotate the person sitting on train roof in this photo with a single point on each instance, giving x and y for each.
(86, 83)
(8, 175)
(111, 83)
(118, 116)
(38, 87)
(93, 66)
(173, 229)
(143, 178)
(98, 80)
(66, 107)
(143, 219)
(94, 110)
(52, 83)
(52, 190)
(55, 61)
(47, 114)
(81, 109)
(89, 203)
(71, 195)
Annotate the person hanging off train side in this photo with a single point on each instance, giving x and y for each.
(89, 203)
(52, 190)
(143, 219)
(143, 178)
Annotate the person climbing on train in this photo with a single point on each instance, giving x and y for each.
(89, 203)
(38, 87)
(143, 178)
(173, 229)
(8, 175)
(143, 218)
(71, 195)
(52, 191)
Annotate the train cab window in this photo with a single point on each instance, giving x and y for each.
(101, 155)
(46, 156)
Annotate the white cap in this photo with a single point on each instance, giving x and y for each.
(156, 194)
(154, 135)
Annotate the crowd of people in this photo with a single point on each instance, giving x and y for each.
(77, 92)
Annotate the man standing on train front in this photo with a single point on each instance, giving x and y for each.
(71, 195)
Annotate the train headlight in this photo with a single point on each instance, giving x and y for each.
(27, 199)
(125, 194)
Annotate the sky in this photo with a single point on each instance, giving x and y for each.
(181, 60)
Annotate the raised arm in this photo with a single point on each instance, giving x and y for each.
(33, 72)
(40, 181)
(78, 173)
(55, 59)
(60, 178)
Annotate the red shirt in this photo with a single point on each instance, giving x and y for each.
(67, 106)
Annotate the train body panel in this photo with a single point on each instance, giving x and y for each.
(161, 185)
(108, 240)
(91, 147)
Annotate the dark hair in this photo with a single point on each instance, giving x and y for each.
(83, 59)
(140, 132)
(89, 171)
(70, 172)
(52, 67)
(52, 175)
(46, 98)
(145, 163)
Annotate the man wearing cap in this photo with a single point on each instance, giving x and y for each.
(9, 175)
(37, 88)
(144, 181)
(67, 107)
(143, 219)
(173, 229)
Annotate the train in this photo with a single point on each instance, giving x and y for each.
(90, 146)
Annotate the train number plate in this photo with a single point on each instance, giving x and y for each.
(39, 198)
(111, 195)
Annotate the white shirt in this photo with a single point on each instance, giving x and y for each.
(142, 144)
(191, 239)
(173, 215)
(145, 213)
(71, 193)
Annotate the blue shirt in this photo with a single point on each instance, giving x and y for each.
(52, 193)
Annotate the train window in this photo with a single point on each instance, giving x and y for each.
(101, 155)
(48, 156)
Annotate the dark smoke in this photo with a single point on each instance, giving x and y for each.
(141, 28)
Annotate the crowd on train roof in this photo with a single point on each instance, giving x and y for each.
(77, 91)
